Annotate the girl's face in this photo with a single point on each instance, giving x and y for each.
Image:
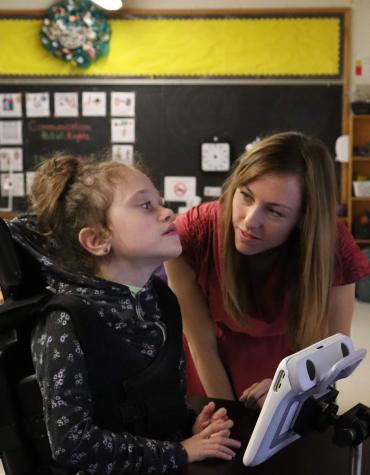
(142, 230)
(265, 211)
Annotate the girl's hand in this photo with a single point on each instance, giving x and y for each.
(207, 416)
(213, 441)
(254, 396)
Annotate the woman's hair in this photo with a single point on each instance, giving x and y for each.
(68, 194)
(313, 241)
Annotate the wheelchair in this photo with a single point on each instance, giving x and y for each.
(24, 444)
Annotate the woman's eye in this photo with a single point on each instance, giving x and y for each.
(146, 205)
(275, 213)
(246, 196)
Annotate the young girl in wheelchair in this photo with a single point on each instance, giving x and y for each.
(112, 377)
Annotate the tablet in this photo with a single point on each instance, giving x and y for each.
(309, 372)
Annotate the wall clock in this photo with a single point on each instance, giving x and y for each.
(215, 156)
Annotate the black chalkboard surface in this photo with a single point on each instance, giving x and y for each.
(172, 120)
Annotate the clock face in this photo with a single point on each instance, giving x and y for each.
(215, 157)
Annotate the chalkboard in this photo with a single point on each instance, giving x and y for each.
(172, 120)
(82, 136)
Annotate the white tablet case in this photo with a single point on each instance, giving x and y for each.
(308, 372)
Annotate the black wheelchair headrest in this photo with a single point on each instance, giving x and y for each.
(10, 266)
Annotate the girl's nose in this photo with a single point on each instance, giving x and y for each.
(168, 215)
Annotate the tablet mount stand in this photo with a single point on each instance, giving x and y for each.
(350, 428)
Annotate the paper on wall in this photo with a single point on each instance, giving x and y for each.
(30, 176)
(362, 68)
(94, 104)
(123, 154)
(342, 149)
(37, 104)
(180, 188)
(123, 104)
(123, 130)
(11, 132)
(65, 104)
(12, 183)
(212, 191)
(11, 105)
(11, 159)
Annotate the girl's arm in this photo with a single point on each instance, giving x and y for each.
(76, 442)
(199, 329)
(341, 307)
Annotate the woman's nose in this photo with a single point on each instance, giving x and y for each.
(253, 217)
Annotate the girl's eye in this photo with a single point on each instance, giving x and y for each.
(146, 205)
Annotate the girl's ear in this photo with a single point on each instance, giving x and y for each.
(94, 241)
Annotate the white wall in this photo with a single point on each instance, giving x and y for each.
(360, 38)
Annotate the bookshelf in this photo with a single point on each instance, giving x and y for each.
(359, 166)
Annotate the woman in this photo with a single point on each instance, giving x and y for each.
(265, 270)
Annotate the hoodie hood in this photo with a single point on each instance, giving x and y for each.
(59, 279)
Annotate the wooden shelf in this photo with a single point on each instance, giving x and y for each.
(357, 158)
(362, 241)
(361, 116)
(358, 165)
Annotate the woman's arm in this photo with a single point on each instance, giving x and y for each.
(341, 307)
(199, 329)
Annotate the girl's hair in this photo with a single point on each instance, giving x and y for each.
(314, 240)
(68, 194)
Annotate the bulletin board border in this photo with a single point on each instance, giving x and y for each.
(94, 72)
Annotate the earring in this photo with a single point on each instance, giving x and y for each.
(106, 250)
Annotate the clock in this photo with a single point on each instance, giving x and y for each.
(215, 156)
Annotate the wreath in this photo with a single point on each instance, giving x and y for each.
(76, 31)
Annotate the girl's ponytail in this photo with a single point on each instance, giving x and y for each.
(54, 178)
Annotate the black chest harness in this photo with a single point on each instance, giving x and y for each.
(131, 391)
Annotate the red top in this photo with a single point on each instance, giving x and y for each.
(253, 353)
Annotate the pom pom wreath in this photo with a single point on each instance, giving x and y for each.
(76, 31)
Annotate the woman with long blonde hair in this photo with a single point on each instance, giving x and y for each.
(265, 270)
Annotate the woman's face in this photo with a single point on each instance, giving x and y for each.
(265, 211)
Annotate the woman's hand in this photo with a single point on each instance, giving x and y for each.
(254, 396)
(213, 441)
(208, 415)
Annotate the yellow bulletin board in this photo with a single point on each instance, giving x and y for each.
(196, 75)
(243, 45)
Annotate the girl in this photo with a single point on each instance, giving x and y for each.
(112, 376)
(265, 270)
